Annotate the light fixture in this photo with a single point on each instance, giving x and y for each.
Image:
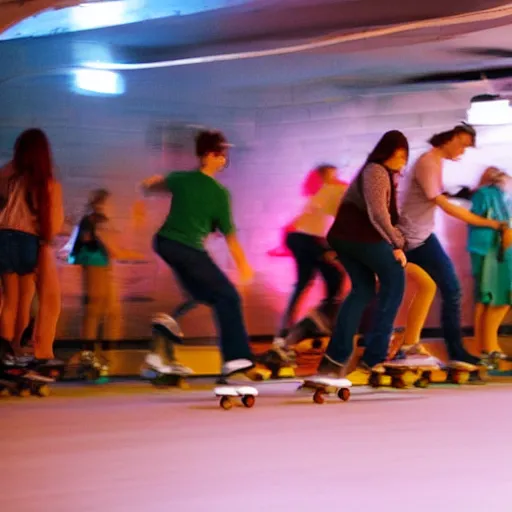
(489, 109)
(99, 81)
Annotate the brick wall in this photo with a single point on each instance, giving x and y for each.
(103, 142)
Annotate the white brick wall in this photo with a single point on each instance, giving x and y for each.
(100, 142)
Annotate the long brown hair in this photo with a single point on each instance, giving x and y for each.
(32, 162)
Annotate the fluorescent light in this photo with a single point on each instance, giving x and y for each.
(99, 81)
(489, 110)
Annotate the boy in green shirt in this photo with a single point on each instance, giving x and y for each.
(199, 205)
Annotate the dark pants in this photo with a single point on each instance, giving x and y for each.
(432, 258)
(204, 281)
(308, 252)
(363, 262)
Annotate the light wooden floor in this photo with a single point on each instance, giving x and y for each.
(124, 448)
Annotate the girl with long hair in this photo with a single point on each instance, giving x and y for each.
(31, 213)
(370, 246)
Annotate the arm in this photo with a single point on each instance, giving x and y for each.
(430, 180)
(226, 226)
(57, 208)
(154, 185)
(376, 189)
(110, 241)
(465, 215)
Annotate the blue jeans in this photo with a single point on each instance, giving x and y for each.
(432, 258)
(309, 254)
(205, 282)
(363, 262)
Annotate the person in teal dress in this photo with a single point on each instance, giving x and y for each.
(491, 261)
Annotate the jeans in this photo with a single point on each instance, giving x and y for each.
(205, 282)
(432, 258)
(308, 253)
(363, 262)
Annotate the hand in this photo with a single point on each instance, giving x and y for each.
(497, 225)
(400, 257)
(506, 240)
(146, 184)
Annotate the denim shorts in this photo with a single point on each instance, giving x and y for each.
(18, 252)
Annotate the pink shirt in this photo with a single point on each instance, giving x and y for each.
(424, 182)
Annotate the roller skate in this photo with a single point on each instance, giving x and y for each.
(163, 375)
(92, 366)
(277, 362)
(18, 377)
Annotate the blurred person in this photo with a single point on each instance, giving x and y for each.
(491, 259)
(199, 202)
(95, 249)
(306, 242)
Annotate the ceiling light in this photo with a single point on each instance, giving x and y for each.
(99, 81)
(487, 109)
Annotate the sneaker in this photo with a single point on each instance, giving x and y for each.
(283, 354)
(414, 361)
(418, 349)
(236, 366)
(329, 368)
(155, 362)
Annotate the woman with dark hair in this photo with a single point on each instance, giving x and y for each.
(369, 245)
(310, 250)
(422, 194)
(31, 214)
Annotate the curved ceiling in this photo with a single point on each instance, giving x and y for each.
(213, 27)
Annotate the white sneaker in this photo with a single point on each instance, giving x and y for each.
(278, 342)
(415, 361)
(236, 366)
(155, 362)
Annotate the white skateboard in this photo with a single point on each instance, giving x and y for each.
(320, 386)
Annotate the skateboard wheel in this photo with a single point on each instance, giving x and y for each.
(344, 394)
(248, 401)
(423, 382)
(23, 392)
(43, 390)
(226, 403)
(459, 377)
(318, 397)
(374, 381)
(398, 383)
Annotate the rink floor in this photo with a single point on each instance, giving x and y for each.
(129, 447)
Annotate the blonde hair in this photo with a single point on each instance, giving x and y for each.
(493, 176)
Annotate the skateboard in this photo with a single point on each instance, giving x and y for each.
(320, 386)
(458, 372)
(402, 375)
(24, 384)
(165, 380)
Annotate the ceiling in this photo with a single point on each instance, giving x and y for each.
(201, 28)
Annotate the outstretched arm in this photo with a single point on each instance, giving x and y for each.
(154, 185)
(465, 215)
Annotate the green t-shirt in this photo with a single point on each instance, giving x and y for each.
(200, 205)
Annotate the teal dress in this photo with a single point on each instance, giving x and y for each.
(491, 270)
